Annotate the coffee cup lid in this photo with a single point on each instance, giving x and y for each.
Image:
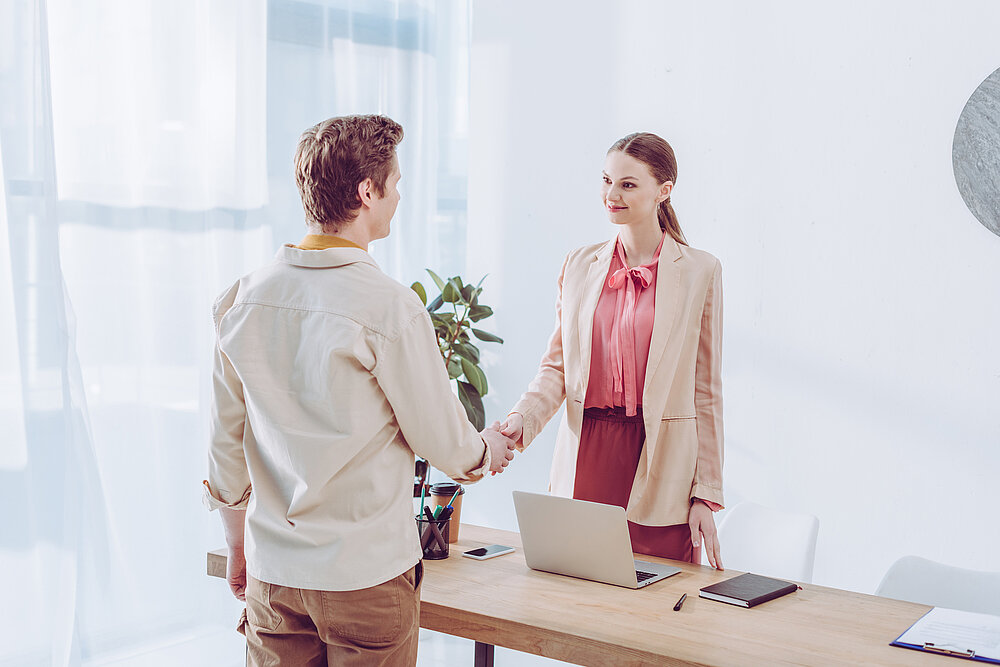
(446, 489)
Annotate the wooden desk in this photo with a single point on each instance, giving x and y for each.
(501, 602)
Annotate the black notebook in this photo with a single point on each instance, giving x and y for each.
(747, 590)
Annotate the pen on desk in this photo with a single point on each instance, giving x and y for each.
(677, 607)
(423, 496)
(437, 511)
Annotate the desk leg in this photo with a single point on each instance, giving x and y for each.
(484, 655)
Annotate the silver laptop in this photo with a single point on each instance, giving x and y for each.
(582, 539)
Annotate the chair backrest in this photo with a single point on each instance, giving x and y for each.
(916, 579)
(771, 542)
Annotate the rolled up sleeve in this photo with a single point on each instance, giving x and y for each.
(228, 483)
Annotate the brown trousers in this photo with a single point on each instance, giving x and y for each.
(372, 626)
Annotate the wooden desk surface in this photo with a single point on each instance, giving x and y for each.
(502, 602)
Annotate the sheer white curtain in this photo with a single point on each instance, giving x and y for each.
(408, 60)
(159, 103)
(108, 269)
(14, 455)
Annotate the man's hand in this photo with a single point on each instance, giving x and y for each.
(702, 525)
(234, 523)
(236, 573)
(513, 426)
(501, 448)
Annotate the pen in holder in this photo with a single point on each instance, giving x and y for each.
(433, 534)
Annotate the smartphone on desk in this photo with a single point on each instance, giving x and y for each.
(492, 551)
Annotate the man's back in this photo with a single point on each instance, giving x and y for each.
(316, 343)
(327, 378)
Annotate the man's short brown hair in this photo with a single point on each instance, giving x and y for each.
(334, 156)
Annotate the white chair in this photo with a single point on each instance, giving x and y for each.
(771, 542)
(916, 579)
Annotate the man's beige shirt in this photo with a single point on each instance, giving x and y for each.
(327, 380)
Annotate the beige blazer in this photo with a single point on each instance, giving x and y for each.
(682, 397)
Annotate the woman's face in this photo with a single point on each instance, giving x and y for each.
(629, 191)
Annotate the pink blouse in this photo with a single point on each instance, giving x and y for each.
(623, 328)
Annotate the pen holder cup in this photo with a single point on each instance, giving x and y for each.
(433, 534)
(441, 493)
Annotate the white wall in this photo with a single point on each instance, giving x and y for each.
(862, 343)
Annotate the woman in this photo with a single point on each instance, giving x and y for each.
(636, 354)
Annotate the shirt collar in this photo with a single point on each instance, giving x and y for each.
(326, 241)
(340, 253)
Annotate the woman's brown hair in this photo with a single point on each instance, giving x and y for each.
(656, 154)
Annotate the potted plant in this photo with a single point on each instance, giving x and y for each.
(453, 313)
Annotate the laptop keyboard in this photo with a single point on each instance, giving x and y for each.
(643, 576)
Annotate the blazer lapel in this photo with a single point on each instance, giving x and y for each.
(596, 273)
(668, 281)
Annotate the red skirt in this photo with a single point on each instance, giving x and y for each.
(610, 446)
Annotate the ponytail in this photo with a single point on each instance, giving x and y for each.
(668, 221)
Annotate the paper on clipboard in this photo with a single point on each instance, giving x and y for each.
(963, 633)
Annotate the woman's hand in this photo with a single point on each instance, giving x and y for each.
(702, 525)
(501, 448)
(513, 426)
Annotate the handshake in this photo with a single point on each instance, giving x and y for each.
(502, 439)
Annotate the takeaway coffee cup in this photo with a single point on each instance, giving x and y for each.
(441, 493)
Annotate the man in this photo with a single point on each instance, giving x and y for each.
(327, 380)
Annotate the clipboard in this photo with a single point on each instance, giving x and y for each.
(955, 633)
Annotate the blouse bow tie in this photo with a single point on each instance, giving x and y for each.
(640, 275)
(633, 280)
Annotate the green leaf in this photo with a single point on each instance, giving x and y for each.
(468, 351)
(467, 292)
(475, 375)
(480, 283)
(421, 292)
(473, 404)
(480, 313)
(454, 368)
(437, 279)
(487, 336)
(456, 284)
(449, 293)
(435, 304)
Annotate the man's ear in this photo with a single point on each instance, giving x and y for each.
(366, 192)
